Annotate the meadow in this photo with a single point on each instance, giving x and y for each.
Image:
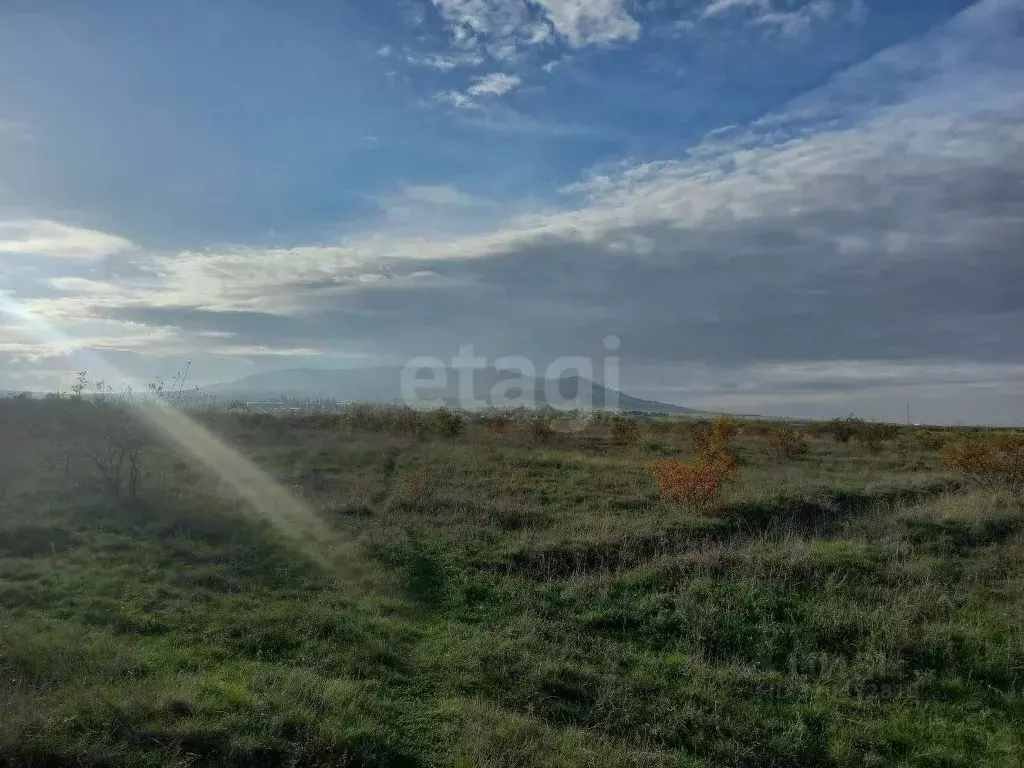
(507, 590)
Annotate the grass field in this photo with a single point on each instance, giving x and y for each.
(503, 597)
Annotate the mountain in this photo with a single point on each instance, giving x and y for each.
(456, 388)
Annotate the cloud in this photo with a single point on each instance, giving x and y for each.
(40, 237)
(905, 220)
(591, 23)
(456, 99)
(445, 62)
(501, 26)
(717, 7)
(495, 84)
(417, 207)
(22, 345)
(264, 351)
(470, 19)
(861, 241)
(787, 18)
(795, 23)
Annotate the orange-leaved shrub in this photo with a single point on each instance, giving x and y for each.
(696, 485)
(711, 444)
(991, 461)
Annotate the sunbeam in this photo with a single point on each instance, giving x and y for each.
(202, 449)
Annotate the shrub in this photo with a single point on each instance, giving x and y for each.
(787, 443)
(873, 435)
(991, 462)
(449, 423)
(696, 485)
(399, 419)
(759, 429)
(323, 421)
(661, 426)
(625, 431)
(842, 430)
(724, 429)
(496, 423)
(540, 427)
(711, 444)
(932, 439)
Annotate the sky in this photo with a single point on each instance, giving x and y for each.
(784, 207)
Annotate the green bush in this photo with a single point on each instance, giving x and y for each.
(449, 423)
(625, 431)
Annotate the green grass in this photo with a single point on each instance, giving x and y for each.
(520, 602)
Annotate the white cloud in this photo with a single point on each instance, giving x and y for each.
(243, 350)
(446, 62)
(795, 23)
(417, 206)
(41, 237)
(457, 99)
(506, 23)
(591, 23)
(24, 345)
(717, 7)
(485, 18)
(83, 287)
(495, 84)
(732, 185)
(787, 18)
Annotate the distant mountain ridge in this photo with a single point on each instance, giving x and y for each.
(485, 388)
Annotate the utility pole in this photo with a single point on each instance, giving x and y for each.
(908, 414)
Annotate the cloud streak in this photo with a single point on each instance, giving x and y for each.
(788, 19)
(40, 237)
(496, 84)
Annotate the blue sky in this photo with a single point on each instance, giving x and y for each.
(785, 206)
